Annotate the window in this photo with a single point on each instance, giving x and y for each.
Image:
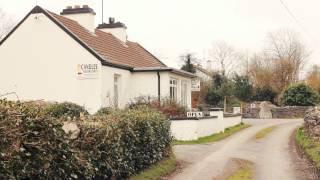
(173, 89)
(184, 95)
(116, 87)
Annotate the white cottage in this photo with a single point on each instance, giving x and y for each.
(65, 58)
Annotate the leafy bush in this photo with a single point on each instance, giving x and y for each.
(66, 109)
(33, 145)
(213, 97)
(170, 108)
(264, 94)
(104, 111)
(243, 89)
(222, 87)
(300, 95)
(167, 106)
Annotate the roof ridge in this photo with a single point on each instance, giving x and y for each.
(68, 19)
(102, 45)
(87, 46)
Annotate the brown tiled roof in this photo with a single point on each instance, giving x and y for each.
(109, 47)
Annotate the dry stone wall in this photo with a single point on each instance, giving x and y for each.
(251, 113)
(266, 110)
(289, 111)
(312, 122)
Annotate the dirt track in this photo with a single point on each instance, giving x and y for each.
(274, 156)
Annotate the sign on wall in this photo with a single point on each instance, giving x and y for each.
(195, 85)
(87, 71)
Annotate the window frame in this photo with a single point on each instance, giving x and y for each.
(116, 89)
(173, 91)
(184, 93)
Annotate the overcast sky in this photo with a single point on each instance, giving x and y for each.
(171, 27)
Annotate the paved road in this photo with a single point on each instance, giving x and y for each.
(272, 156)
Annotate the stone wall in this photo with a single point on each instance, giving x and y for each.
(266, 110)
(251, 113)
(289, 111)
(312, 122)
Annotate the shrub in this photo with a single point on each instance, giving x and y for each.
(300, 95)
(167, 106)
(221, 87)
(243, 89)
(170, 108)
(119, 146)
(66, 109)
(213, 97)
(264, 94)
(34, 146)
(104, 111)
(141, 101)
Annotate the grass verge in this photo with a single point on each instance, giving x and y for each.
(310, 146)
(244, 173)
(264, 132)
(215, 137)
(157, 170)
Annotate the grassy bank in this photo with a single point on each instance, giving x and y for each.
(158, 170)
(264, 132)
(244, 173)
(215, 137)
(310, 146)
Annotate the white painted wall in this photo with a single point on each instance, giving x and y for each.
(232, 121)
(138, 84)
(166, 86)
(207, 127)
(145, 84)
(220, 117)
(186, 130)
(107, 90)
(120, 33)
(86, 20)
(39, 61)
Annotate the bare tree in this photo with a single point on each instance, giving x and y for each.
(226, 56)
(6, 24)
(280, 64)
(313, 78)
(260, 70)
(291, 54)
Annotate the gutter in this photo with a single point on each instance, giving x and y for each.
(159, 87)
(165, 69)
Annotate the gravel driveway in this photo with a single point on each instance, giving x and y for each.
(274, 157)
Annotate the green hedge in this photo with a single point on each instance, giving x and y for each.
(300, 95)
(118, 145)
(66, 109)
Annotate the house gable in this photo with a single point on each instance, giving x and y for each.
(104, 46)
(37, 10)
(39, 66)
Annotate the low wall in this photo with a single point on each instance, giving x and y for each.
(207, 127)
(289, 111)
(184, 129)
(230, 121)
(194, 128)
(252, 113)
